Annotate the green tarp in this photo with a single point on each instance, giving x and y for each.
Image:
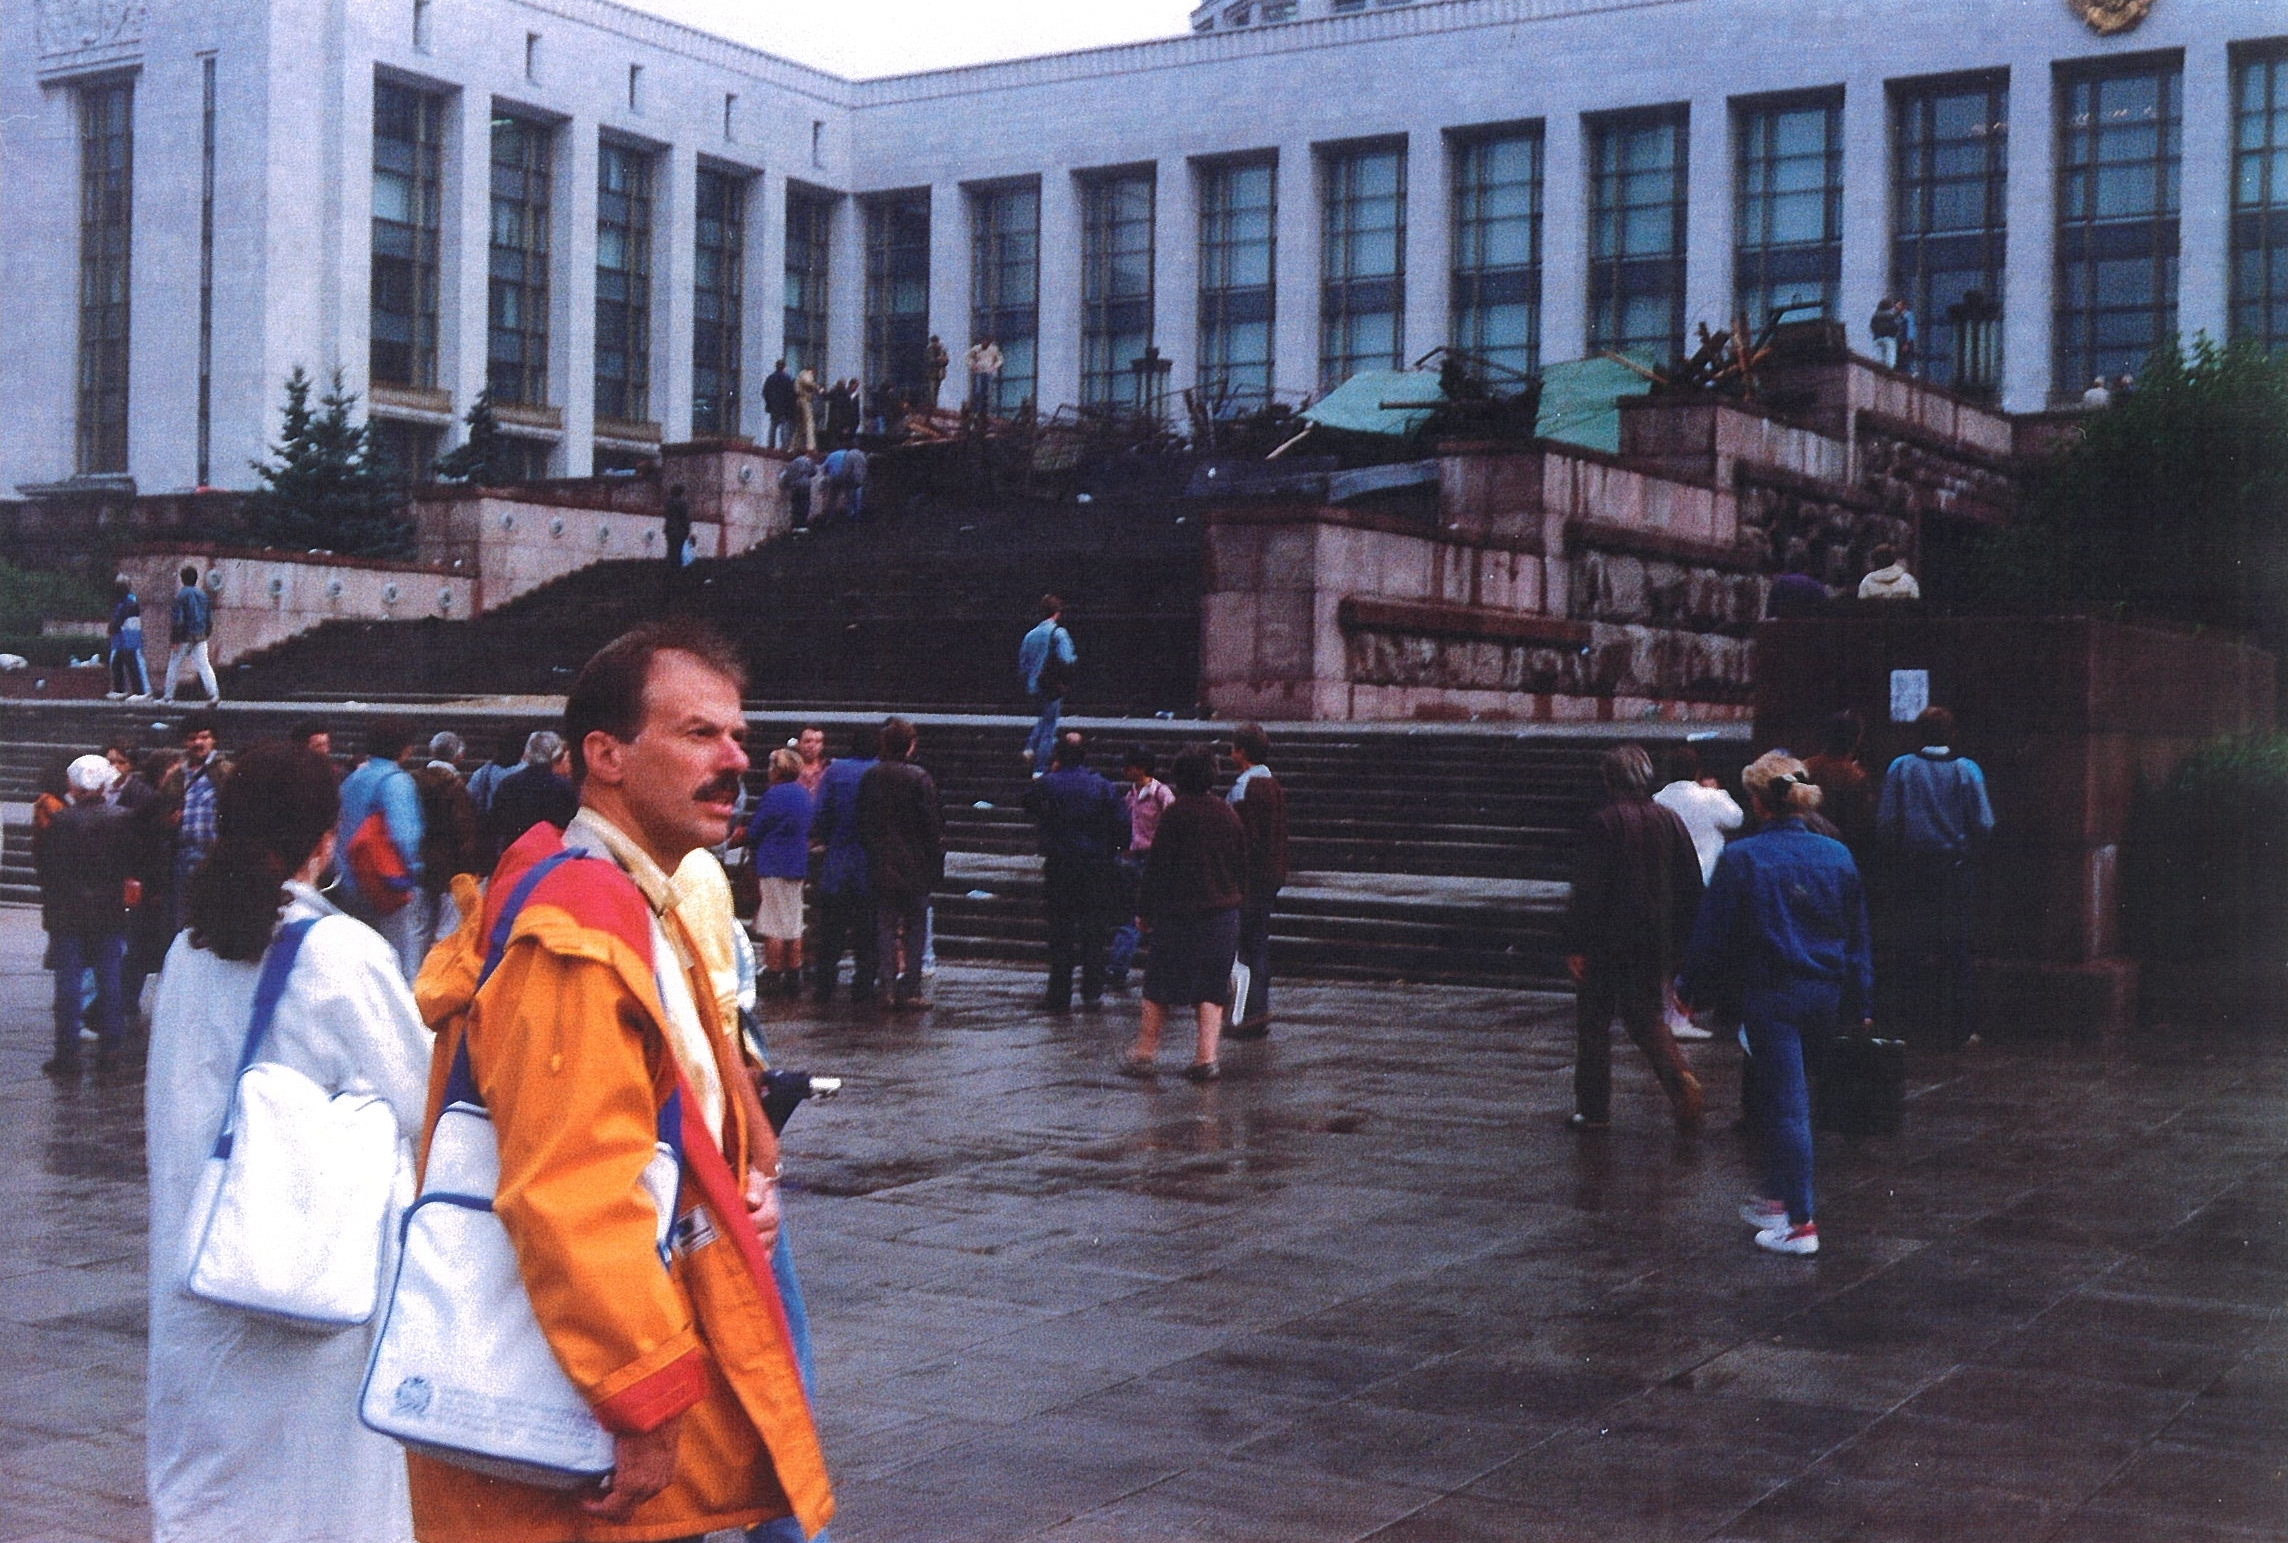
(1577, 402)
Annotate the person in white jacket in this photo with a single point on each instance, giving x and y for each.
(1708, 813)
(1889, 579)
(253, 1432)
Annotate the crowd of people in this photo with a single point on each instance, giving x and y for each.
(1686, 906)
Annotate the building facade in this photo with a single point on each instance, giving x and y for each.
(616, 225)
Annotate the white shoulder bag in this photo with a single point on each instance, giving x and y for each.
(461, 1370)
(293, 1207)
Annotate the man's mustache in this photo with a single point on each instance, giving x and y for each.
(722, 790)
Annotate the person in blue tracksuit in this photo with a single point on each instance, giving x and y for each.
(1783, 932)
(1930, 823)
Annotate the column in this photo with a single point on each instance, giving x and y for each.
(1429, 242)
(1866, 208)
(2030, 275)
(949, 280)
(674, 266)
(1708, 221)
(1564, 239)
(1176, 276)
(1058, 348)
(845, 291)
(762, 297)
(1295, 327)
(572, 296)
(2204, 232)
(464, 265)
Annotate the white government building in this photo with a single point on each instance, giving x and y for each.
(619, 223)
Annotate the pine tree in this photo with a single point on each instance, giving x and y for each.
(327, 488)
(481, 459)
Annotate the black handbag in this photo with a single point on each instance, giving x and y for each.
(1860, 1088)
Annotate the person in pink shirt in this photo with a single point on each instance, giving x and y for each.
(1147, 797)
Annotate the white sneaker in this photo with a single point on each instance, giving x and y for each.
(1762, 1214)
(115, 696)
(1690, 1031)
(1801, 1242)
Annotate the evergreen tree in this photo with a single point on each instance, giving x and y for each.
(327, 487)
(482, 459)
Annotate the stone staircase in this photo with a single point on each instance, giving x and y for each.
(1431, 853)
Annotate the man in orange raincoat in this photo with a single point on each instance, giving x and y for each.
(600, 1011)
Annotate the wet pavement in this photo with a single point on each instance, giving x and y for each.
(1370, 1285)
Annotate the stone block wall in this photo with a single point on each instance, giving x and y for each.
(261, 598)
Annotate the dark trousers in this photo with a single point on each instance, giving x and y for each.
(1937, 901)
(1631, 990)
(101, 952)
(845, 923)
(1077, 893)
(1789, 1027)
(901, 928)
(1255, 953)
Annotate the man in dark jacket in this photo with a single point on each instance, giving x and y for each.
(1083, 828)
(85, 858)
(845, 891)
(903, 830)
(1636, 886)
(778, 405)
(538, 790)
(1262, 806)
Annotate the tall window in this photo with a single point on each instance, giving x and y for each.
(1362, 297)
(719, 286)
(1116, 286)
(1951, 162)
(809, 250)
(408, 158)
(1637, 171)
(897, 290)
(1497, 248)
(516, 358)
(623, 283)
(1005, 285)
(2260, 199)
(1789, 228)
(1238, 251)
(2120, 138)
(106, 201)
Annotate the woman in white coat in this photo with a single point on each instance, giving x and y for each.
(253, 1426)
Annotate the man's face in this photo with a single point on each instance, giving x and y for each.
(120, 765)
(810, 744)
(679, 777)
(1138, 776)
(321, 743)
(197, 747)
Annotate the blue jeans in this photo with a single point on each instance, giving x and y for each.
(100, 952)
(1044, 739)
(1788, 1025)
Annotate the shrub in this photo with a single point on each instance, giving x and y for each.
(30, 596)
(2207, 877)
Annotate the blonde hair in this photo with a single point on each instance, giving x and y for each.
(785, 766)
(1779, 783)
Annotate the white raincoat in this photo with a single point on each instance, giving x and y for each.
(253, 1428)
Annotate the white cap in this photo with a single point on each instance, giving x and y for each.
(89, 774)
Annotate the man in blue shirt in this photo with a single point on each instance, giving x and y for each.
(1931, 821)
(845, 891)
(381, 786)
(191, 625)
(1044, 660)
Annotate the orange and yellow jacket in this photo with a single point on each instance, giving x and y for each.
(568, 1045)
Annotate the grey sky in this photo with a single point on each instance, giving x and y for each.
(887, 37)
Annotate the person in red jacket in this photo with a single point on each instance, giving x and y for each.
(1189, 903)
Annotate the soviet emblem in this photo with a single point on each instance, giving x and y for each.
(2107, 17)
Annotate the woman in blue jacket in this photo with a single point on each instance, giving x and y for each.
(778, 843)
(1783, 931)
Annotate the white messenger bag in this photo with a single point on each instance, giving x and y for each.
(461, 1369)
(293, 1206)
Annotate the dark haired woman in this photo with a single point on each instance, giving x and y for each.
(1189, 902)
(254, 1433)
(1784, 932)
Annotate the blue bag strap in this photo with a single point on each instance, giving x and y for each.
(461, 1081)
(277, 965)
